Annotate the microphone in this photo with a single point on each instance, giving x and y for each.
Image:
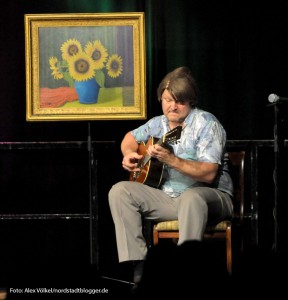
(275, 98)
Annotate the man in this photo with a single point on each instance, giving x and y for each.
(195, 187)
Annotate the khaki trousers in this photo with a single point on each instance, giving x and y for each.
(194, 209)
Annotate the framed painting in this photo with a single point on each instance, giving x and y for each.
(85, 66)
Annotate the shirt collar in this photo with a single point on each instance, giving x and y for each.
(188, 119)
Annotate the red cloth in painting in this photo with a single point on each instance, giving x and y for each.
(57, 97)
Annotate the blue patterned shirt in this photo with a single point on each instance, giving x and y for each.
(202, 139)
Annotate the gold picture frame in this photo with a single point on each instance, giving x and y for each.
(65, 51)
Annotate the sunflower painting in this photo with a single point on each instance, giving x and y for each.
(77, 64)
(87, 68)
(80, 66)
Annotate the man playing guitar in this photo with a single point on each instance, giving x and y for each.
(194, 187)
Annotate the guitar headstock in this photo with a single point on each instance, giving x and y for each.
(173, 136)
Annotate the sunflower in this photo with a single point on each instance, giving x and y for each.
(53, 62)
(114, 65)
(56, 73)
(98, 53)
(70, 48)
(81, 67)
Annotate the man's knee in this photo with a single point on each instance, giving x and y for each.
(192, 198)
(116, 191)
(121, 191)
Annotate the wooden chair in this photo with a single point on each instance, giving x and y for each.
(223, 230)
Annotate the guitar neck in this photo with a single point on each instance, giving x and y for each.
(161, 141)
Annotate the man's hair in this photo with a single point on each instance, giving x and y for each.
(181, 85)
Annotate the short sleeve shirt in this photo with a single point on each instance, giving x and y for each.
(203, 139)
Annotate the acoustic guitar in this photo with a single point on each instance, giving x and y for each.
(151, 169)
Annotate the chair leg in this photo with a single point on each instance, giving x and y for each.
(229, 249)
(155, 236)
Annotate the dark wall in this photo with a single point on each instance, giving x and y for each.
(237, 51)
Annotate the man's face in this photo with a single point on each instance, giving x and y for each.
(176, 112)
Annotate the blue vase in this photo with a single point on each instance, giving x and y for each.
(87, 91)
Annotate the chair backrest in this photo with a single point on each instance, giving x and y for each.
(236, 166)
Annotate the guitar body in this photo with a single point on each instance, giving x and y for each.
(151, 169)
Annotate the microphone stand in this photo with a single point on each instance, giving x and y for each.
(278, 147)
(276, 175)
